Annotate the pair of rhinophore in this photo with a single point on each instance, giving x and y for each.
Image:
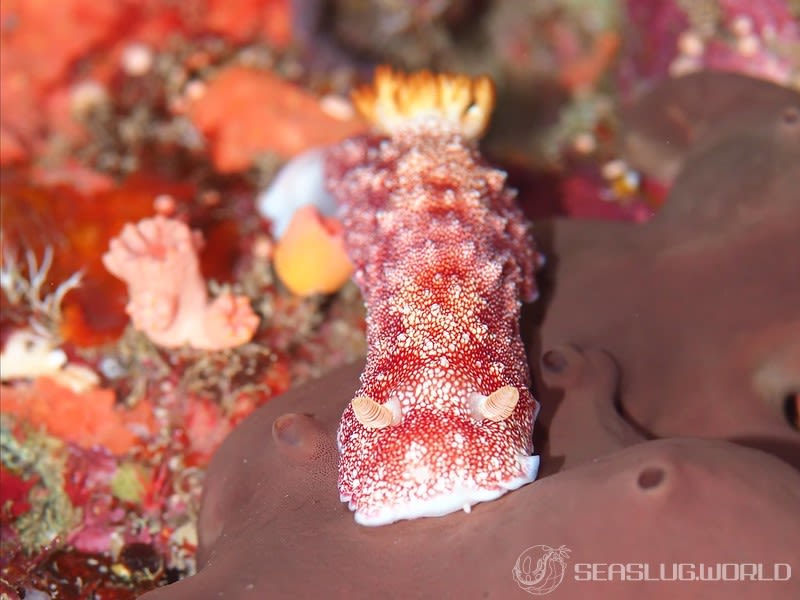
(496, 407)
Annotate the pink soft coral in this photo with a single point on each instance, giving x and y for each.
(158, 260)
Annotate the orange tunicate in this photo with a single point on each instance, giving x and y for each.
(242, 20)
(245, 112)
(310, 257)
(41, 43)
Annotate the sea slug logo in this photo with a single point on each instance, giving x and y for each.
(540, 569)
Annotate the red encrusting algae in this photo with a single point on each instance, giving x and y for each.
(444, 416)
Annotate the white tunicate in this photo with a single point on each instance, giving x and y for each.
(299, 183)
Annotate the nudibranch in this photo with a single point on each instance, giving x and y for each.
(442, 254)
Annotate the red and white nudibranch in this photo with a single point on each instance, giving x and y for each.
(444, 417)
